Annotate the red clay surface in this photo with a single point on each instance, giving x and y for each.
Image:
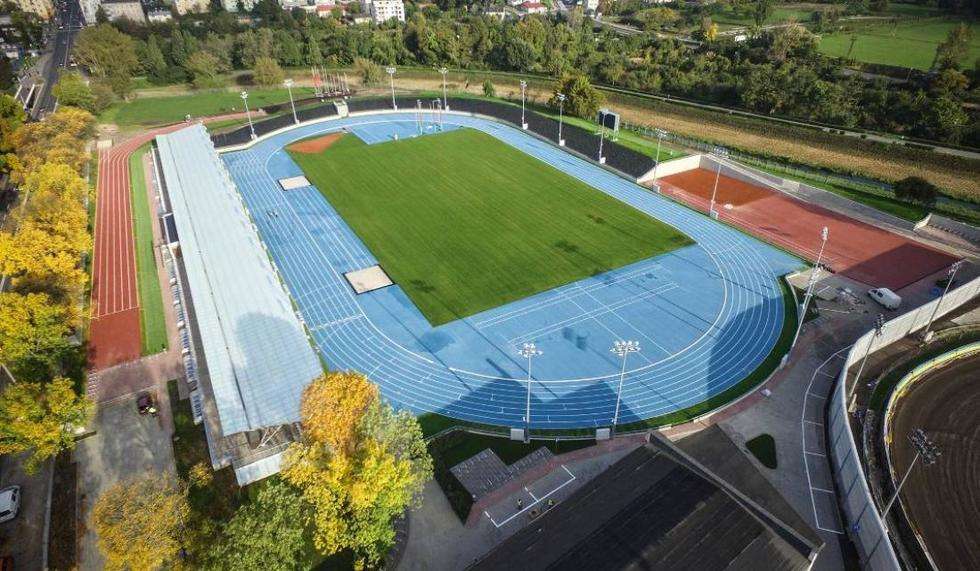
(317, 145)
(855, 249)
(114, 335)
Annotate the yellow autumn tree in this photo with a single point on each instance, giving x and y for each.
(41, 418)
(60, 138)
(33, 331)
(46, 258)
(139, 522)
(360, 465)
(53, 193)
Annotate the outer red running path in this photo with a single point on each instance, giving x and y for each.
(114, 335)
(860, 251)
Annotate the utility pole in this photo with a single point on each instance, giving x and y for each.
(824, 234)
(391, 76)
(251, 127)
(949, 281)
(623, 350)
(528, 351)
(561, 116)
(289, 87)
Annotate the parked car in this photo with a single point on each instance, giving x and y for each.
(9, 503)
(886, 297)
(145, 404)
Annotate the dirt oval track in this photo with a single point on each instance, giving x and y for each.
(943, 500)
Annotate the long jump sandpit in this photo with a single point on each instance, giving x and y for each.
(855, 249)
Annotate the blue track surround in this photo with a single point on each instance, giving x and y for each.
(705, 315)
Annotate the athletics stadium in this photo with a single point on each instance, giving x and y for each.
(429, 252)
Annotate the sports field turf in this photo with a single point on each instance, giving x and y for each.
(152, 327)
(464, 223)
(160, 110)
(906, 44)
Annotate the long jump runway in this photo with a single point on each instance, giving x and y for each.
(705, 315)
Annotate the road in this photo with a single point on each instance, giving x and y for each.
(68, 21)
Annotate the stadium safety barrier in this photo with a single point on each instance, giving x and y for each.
(864, 523)
(581, 141)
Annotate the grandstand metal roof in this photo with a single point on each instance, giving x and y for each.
(258, 356)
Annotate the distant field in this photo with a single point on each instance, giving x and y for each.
(160, 110)
(464, 223)
(906, 44)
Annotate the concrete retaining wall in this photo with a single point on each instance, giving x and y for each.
(864, 525)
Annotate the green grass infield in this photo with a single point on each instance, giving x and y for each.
(153, 329)
(465, 223)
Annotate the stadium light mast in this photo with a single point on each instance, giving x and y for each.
(523, 91)
(824, 234)
(949, 281)
(623, 350)
(251, 127)
(445, 102)
(528, 351)
(289, 87)
(602, 135)
(720, 153)
(561, 116)
(391, 77)
(660, 137)
(879, 327)
(925, 449)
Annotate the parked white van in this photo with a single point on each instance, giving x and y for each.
(886, 297)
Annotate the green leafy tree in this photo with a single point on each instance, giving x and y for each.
(916, 189)
(488, 89)
(265, 533)
(952, 51)
(41, 418)
(108, 53)
(204, 69)
(762, 12)
(267, 72)
(582, 100)
(73, 90)
(153, 61)
(33, 332)
(370, 72)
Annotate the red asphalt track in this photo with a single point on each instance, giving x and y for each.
(114, 335)
(855, 249)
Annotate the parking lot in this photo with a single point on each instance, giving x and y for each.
(23, 537)
(125, 445)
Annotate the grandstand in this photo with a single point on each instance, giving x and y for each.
(258, 358)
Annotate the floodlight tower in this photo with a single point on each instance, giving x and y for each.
(623, 350)
(288, 83)
(528, 351)
(445, 102)
(720, 153)
(824, 234)
(879, 328)
(251, 127)
(523, 92)
(925, 449)
(561, 116)
(949, 281)
(602, 135)
(390, 70)
(660, 137)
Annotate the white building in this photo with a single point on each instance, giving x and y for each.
(89, 9)
(231, 5)
(191, 6)
(129, 9)
(159, 15)
(383, 10)
(533, 8)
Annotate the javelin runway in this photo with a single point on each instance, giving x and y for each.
(705, 315)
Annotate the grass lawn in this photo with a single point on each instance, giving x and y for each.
(905, 44)
(160, 110)
(763, 447)
(153, 329)
(465, 223)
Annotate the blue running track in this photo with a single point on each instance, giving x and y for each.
(705, 316)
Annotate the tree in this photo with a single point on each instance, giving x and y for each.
(33, 331)
(582, 100)
(73, 90)
(488, 89)
(762, 12)
(108, 53)
(57, 139)
(267, 72)
(359, 467)
(41, 419)
(139, 522)
(265, 533)
(11, 118)
(916, 189)
(370, 72)
(203, 68)
(954, 48)
(152, 60)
